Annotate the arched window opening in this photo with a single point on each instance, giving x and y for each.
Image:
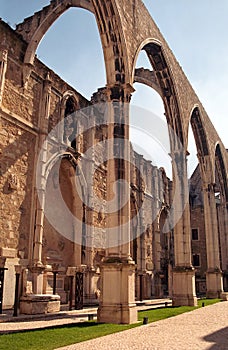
(70, 123)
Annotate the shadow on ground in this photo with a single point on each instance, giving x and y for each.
(219, 338)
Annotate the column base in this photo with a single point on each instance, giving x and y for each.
(37, 278)
(214, 284)
(118, 314)
(117, 300)
(184, 293)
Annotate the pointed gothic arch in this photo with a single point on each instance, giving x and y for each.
(162, 81)
(109, 24)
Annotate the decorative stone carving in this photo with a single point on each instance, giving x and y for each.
(13, 182)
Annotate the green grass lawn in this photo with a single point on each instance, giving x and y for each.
(53, 338)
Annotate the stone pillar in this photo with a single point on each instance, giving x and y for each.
(141, 263)
(91, 276)
(183, 273)
(223, 228)
(214, 273)
(156, 236)
(3, 67)
(45, 109)
(117, 303)
(37, 267)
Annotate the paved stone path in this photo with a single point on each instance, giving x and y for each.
(202, 329)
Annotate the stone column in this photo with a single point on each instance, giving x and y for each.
(183, 272)
(37, 265)
(141, 263)
(214, 273)
(117, 302)
(156, 236)
(3, 67)
(91, 276)
(223, 229)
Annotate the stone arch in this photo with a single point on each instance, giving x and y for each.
(165, 78)
(199, 133)
(147, 77)
(140, 48)
(221, 174)
(221, 197)
(163, 83)
(109, 25)
(62, 173)
(41, 184)
(75, 163)
(69, 94)
(34, 28)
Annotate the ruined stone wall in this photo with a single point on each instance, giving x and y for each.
(16, 181)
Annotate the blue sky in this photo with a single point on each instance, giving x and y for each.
(195, 30)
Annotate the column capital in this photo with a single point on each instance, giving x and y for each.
(119, 92)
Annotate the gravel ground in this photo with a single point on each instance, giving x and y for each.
(9, 324)
(205, 328)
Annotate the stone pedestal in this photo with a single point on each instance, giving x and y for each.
(35, 304)
(91, 287)
(8, 260)
(214, 284)
(117, 302)
(184, 292)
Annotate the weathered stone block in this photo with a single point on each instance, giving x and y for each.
(8, 252)
(35, 304)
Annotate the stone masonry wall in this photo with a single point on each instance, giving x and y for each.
(16, 183)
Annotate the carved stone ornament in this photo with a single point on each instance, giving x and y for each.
(13, 182)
